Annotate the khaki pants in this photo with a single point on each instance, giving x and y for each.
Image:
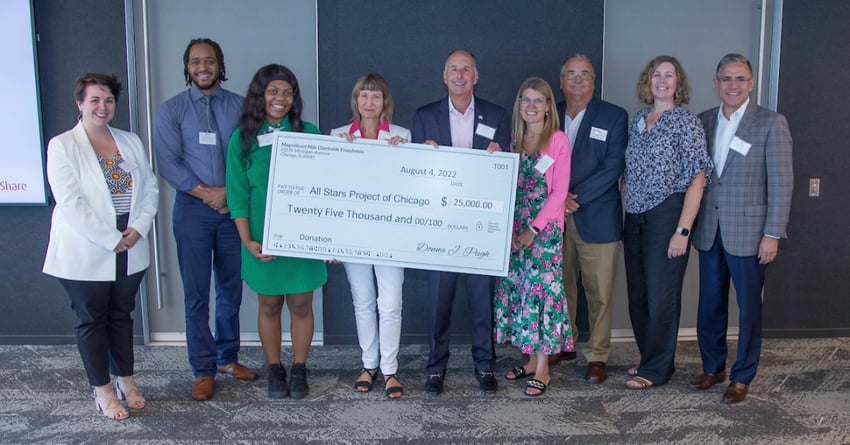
(597, 264)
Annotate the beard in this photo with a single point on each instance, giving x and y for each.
(207, 85)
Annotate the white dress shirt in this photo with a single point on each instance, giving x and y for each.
(571, 125)
(726, 129)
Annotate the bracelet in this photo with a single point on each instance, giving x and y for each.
(533, 230)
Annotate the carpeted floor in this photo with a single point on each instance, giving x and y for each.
(801, 396)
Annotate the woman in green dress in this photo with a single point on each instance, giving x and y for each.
(273, 102)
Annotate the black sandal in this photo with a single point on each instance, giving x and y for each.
(393, 392)
(519, 372)
(366, 385)
(535, 384)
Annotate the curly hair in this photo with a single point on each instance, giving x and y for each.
(254, 105)
(680, 96)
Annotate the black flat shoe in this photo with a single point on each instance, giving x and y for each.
(278, 388)
(487, 381)
(298, 388)
(434, 384)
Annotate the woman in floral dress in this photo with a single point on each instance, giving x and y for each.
(529, 303)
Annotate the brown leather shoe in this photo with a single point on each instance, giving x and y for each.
(562, 357)
(597, 372)
(238, 371)
(735, 393)
(705, 381)
(203, 388)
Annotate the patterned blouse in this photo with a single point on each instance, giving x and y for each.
(663, 160)
(119, 181)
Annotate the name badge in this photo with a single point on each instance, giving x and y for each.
(265, 139)
(740, 145)
(641, 125)
(544, 163)
(486, 131)
(598, 134)
(207, 138)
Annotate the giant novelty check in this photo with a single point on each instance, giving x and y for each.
(412, 205)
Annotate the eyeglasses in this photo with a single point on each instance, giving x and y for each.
(730, 79)
(538, 102)
(581, 75)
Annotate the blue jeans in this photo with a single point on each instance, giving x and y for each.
(207, 238)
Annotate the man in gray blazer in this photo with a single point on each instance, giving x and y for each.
(744, 213)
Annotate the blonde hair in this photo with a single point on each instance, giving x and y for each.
(372, 82)
(680, 96)
(551, 122)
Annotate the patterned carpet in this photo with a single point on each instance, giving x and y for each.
(801, 396)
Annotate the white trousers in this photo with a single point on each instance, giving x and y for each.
(378, 316)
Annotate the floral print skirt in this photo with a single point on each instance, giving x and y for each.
(530, 306)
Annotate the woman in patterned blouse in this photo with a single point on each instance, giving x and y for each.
(666, 169)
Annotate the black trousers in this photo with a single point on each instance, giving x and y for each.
(104, 326)
(654, 284)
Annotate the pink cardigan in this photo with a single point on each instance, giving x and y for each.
(557, 181)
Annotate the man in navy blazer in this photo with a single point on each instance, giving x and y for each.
(743, 214)
(598, 133)
(461, 120)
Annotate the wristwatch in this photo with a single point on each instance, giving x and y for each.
(683, 231)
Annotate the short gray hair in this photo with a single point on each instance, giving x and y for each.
(734, 58)
(462, 50)
(580, 57)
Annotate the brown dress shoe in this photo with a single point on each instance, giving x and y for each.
(562, 357)
(203, 388)
(705, 381)
(735, 393)
(238, 371)
(597, 372)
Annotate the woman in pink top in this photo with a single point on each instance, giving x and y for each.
(529, 302)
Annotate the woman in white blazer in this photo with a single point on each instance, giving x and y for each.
(378, 316)
(106, 197)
